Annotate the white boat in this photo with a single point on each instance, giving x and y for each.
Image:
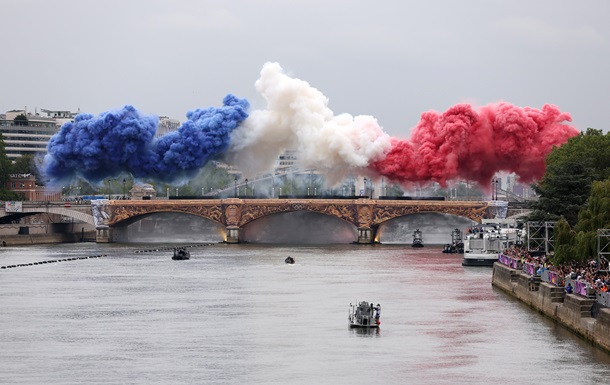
(485, 242)
(364, 315)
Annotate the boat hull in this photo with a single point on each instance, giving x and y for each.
(479, 259)
(351, 325)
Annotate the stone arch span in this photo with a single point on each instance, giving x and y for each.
(81, 213)
(233, 213)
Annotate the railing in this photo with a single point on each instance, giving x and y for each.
(579, 287)
(511, 262)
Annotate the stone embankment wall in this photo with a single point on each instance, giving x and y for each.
(34, 239)
(571, 310)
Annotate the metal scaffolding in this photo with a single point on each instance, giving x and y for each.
(603, 248)
(541, 237)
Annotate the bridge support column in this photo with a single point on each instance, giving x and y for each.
(103, 235)
(366, 235)
(233, 234)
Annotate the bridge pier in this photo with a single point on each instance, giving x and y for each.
(233, 234)
(103, 235)
(366, 235)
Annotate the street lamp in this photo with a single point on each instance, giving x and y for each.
(124, 181)
(365, 187)
(235, 192)
(109, 180)
(246, 190)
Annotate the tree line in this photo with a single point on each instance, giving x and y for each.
(575, 192)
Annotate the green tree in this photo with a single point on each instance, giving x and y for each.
(24, 165)
(20, 120)
(580, 243)
(5, 172)
(570, 170)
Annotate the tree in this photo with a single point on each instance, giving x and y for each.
(5, 172)
(570, 170)
(20, 120)
(580, 243)
(24, 165)
(5, 164)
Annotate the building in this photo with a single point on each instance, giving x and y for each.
(25, 184)
(30, 136)
(166, 125)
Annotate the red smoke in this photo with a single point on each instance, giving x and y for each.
(463, 144)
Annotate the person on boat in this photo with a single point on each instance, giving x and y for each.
(377, 312)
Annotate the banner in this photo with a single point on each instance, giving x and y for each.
(13, 207)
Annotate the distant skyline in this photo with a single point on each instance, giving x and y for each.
(391, 60)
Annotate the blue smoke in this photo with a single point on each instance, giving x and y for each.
(122, 141)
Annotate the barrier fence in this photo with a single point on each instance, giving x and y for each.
(578, 287)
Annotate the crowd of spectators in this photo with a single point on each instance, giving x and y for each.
(595, 272)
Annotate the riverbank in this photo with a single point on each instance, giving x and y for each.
(37, 239)
(571, 310)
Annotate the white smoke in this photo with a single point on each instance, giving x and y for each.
(298, 118)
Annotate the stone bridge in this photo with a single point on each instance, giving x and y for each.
(81, 212)
(234, 213)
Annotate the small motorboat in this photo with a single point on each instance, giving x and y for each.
(289, 260)
(181, 254)
(417, 239)
(364, 315)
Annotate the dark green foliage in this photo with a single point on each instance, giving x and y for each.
(20, 120)
(24, 165)
(562, 192)
(576, 188)
(580, 244)
(570, 170)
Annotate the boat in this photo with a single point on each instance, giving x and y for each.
(417, 239)
(485, 242)
(457, 244)
(289, 260)
(364, 315)
(180, 254)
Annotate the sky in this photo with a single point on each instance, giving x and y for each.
(391, 60)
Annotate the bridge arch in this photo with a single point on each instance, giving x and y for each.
(298, 226)
(234, 213)
(76, 213)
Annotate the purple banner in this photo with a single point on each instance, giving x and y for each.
(580, 287)
(511, 262)
(503, 259)
(555, 278)
(529, 268)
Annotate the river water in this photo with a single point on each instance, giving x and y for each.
(236, 314)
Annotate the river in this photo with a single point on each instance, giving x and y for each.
(236, 314)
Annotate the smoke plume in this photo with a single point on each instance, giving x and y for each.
(462, 143)
(122, 141)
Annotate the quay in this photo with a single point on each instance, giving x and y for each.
(578, 313)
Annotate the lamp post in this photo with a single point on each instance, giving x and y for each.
(310, 181)
(109, 180)
(235, 192)
(246, 190)
(365, 194)
(124, 181)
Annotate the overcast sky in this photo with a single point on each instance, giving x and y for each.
(389, 59)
